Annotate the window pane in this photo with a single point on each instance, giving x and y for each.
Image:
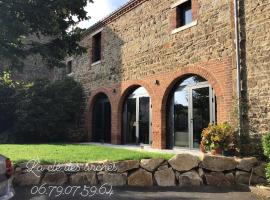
(184, 14)
(96, 47)
(187, 16)
(181, 130)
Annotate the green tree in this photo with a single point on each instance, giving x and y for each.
(49, 112)
(54, 19)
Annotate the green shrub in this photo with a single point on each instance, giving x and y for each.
(266, 145)
(8, 99)
(266, 148)
(268, 172)
(40, 111)
(49, 112)
(219, 136)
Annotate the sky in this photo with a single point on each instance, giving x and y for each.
(100, 9)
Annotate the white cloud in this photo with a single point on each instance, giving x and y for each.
(97, 11)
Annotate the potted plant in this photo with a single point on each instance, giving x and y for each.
(218, 139)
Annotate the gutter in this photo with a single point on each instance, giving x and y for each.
(238, 67)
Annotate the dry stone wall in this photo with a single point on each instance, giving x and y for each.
(181, 170)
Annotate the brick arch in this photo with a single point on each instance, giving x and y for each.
(192, 71)
(175, 78)
(90, 105)
(125, 89)
(129, 86)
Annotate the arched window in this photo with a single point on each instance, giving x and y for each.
(137, 118)
(101, 121)
(191, 107)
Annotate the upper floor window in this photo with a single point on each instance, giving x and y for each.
(184, 14)
(96, 48)
(69, 67)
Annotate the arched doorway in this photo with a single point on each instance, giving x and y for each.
(137, 118)
(191, 107)
(101, 120)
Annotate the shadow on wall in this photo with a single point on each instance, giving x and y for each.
(105, 74)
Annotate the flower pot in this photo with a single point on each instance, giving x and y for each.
(217, 151)
(202, 148)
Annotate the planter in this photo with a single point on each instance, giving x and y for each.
(217, 151)
(202, 148)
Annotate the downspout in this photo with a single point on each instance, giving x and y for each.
(238, 67)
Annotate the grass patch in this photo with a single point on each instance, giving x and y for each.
(75, 153)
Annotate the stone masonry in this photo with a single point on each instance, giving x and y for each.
(181, 170)
(255, 46)
(139, 49)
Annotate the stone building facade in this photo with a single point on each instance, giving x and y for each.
(158, 47)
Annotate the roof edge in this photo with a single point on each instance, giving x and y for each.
(114, 15)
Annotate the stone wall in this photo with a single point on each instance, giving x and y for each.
(140, 44)
(138, 49)
(255, 60)
(34, 66)
(181, 170)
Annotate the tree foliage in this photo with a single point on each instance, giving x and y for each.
(53, 19)
(40, 111)
(49, 112)
(7, 101)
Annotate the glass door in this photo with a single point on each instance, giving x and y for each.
(131, 122)
(181, 117)
(137, 118)
(102, 121)
(144, 119)
(193, 108)
(200, 115)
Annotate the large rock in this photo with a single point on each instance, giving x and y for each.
(217, 179)
(140, 178)
(230, 177)
(164, 165)
(165, 177)
(124, 166)
(190, 178)
(84, 178)
(246, 178)
(115, 179)
(55, 178)
(218, 163)
(260, 170)
(246, 164)
(151, 164)
(27, 179)
(184, 162)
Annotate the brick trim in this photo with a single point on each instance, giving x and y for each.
(90, 105)
(217, 72)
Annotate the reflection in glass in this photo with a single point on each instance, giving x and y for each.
(131, 121)
(181, 131)
(144, 120)
(201, 113)
(189, 112)
(136, 119)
